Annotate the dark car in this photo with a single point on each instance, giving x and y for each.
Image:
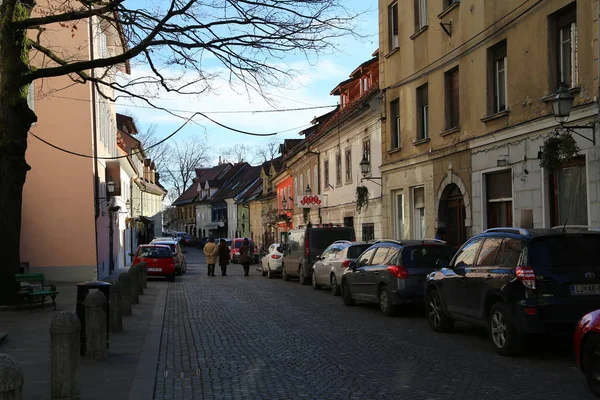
(391, 273)
(517, 282)
(304, 245)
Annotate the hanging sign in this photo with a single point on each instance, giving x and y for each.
(310, 201)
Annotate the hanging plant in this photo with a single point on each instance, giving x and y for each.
(306, 214)
(283, 217)
(140, 227)
(557, 150)
(362, 198)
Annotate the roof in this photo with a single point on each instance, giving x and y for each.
(126, 124)
(252, 193)
(238, 182)
(188, 196)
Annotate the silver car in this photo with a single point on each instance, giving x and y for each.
(330, 266)
(272, 262)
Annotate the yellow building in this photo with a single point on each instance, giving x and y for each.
(466, 92)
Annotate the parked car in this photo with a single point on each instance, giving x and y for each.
(587, 349)
(272, 262)
(333, 262)
(392, 273)
(178, 253)
(158, 258)
(236, 245)
(517, 282)
(304, 245)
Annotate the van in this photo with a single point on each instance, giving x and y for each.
(304, 245)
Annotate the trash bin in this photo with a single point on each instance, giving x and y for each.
(83, 289)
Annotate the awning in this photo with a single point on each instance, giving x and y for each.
(214, 225)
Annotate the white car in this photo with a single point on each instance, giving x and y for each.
(272, 262)
(330, 266)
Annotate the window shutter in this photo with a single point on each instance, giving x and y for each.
(454, 100)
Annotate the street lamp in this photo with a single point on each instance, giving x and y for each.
(308, 191)
(562, 104)
(284, 203)
(110, 185)
(365, 169)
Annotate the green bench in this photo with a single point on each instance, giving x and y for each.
(33, 288)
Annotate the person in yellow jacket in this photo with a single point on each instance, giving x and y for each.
(211, 251)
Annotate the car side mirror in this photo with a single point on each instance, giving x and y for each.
(442, 263)
(320, 257)
(352, 266)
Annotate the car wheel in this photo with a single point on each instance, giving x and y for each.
(314, 281)
(301, 276)
(284, 275)
(590, 363)
(346, 295)
(335, 289)
(385, 302)
(505, 338)
(270, 274)
(437, 317)
(263, 272)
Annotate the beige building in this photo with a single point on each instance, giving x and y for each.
(466, 86)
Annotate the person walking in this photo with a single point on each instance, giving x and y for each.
(224, 256)
(210, 251)
(245, 256)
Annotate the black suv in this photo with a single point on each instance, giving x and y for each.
(391, 273)
(516, 282)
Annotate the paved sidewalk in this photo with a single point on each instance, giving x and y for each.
(132, 357)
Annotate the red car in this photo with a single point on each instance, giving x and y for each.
(159, 260)
(587, 349)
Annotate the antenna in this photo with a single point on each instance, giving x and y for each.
(565, 225)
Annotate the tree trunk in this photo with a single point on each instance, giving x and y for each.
(15, 120)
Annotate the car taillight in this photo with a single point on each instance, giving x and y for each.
(275, 256)
(527, 276)
(346, 263)
(398, 271)
(306, 248)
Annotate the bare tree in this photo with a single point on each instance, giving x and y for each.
(186, 156)
(160, 152)
(237, 153)
(243, 40)
(268, 149)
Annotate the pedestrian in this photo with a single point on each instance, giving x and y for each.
(245, 256)
(224, 256)
(210, 251)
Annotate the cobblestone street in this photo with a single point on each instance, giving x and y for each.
(239, 337)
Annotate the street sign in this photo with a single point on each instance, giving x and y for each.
(310, 201)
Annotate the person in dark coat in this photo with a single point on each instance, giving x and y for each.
(245, 256)
(224, 256)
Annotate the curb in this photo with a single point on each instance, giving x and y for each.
(144, 380)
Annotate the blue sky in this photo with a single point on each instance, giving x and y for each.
(310, 88)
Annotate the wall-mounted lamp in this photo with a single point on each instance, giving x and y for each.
(110, 186)
(308, 190)
(365, 169)
(562, 104)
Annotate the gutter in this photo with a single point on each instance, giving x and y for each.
(95, 141)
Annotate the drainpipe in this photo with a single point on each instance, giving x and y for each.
(95, 141)
(318, 154)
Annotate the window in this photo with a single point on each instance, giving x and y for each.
(365, 257)
(380, 256)
(498, 187)
(296, 187)
(489, 251)
(367, 150)
(368, 232)
(423, 112)
(326, 174)
(309, 181)
(466, 255)
(564, 44)
(338, 168)
(568, 200)
(302, 188)
(498, 66)
(393, 26)
(395, 123)
(348, 156)
(399, 207)
(452, 99)
(316, 179)
(510, 253)
(419, 213)
(349, 222)
(420, 14)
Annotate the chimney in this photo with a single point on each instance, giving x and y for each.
(153, 176)
(219, 160)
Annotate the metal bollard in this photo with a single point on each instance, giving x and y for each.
(135, 284)
(116, 320)
(95, 326)
(141, 267)
(11, 379)
(126, 292)
(64, 356)
(144, 269)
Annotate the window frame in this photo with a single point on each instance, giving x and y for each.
(496, 54)
(326, 174)
(423, 112)
(395, 140)
(393, 27)
(421, 18)
(567, 19)
(452, 98)
(338, 168)
(348, 162)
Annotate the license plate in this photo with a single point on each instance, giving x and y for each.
(155, 269)
(585, 290)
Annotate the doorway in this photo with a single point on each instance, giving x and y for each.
(451, 216)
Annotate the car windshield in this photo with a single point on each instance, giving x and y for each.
(171, 246)
(565, 250)
(356, 250)
(425, 256)
(154, 252)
